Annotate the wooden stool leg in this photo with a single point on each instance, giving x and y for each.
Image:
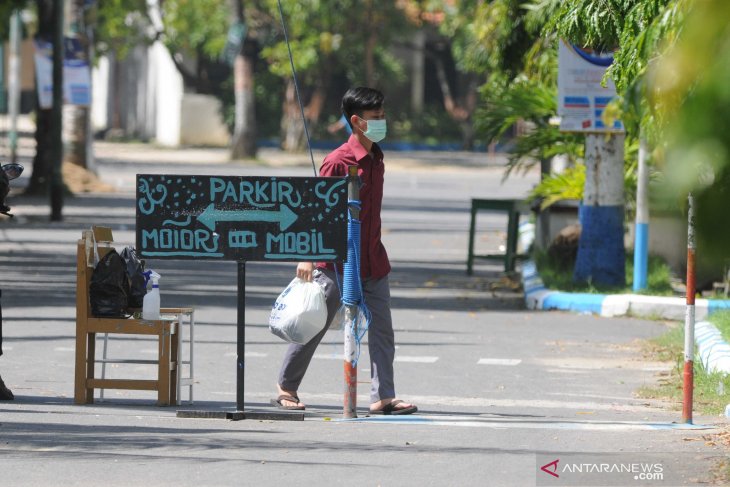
(90, 363)
(80, 372)
(163, 368)
(175, 360)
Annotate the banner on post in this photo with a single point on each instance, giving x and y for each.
(582, 98)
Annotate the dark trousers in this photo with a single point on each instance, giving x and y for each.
(381, 341)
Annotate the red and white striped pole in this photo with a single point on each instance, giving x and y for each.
(689, 319)
(349, 407)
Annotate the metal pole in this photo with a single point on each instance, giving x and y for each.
(241, 336)
(3, 107)
(641, 233)
(689, 321)
(350, 367)
(14, 84)
(57, 114)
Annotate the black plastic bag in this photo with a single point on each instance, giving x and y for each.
(109, 288)
(135, 274)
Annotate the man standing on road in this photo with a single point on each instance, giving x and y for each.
(363, 109)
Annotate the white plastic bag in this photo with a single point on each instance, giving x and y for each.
(299, 313)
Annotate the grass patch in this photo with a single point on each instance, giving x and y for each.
(721, 319)
(560, 278)
(711, 389)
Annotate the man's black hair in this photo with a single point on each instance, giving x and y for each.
(359, 99)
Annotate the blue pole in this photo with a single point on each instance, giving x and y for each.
(641, 234)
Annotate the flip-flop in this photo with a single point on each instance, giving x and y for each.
(391, 409)
(286, 397)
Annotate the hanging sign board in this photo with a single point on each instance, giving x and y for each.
(581, 96)
(241, 218)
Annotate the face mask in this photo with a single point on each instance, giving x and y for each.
(377, 129)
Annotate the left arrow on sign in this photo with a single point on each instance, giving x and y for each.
(284, 216)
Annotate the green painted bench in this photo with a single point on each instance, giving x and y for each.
(513, 208)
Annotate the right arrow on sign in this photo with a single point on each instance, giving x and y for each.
(284, 216)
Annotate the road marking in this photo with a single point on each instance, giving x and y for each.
(330, 356)
(517, 423)
(64, 349)
(419, 360)
(247, 354)
(499, 361)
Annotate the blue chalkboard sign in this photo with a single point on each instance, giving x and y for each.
(241, 218)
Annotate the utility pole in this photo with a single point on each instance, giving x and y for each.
(689, 317)
(641, 229)
(14, 83)
(57, 114)
(244, 131)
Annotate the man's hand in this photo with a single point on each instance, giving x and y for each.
(304, 271)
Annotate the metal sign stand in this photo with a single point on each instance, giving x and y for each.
(241, 412)
(310, 224)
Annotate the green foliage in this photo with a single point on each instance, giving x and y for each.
(600, 24)
(711, 389)
(509, 103)
(555, 277)
(691, 84)
(488, 36)
(432, 126)
(6, 9)
(531, 100)
(651, 28)
(567, 185)
(326, 35)
(193, 26)
(721, 319)
(120, 25)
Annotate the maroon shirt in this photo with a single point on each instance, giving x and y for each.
(374, 262)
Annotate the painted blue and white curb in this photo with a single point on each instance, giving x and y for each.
(712, 349)
(537, 296)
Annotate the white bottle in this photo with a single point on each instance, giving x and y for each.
(151, 303)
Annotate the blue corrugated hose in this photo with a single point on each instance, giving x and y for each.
(352, 293)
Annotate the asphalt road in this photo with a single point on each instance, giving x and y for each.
(501, 390)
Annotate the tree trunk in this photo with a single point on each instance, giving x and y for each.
(418, 74)
(292, 125)
(460, 113)
(601, 253)
(42, 163)
(77, 120)
(243, 144)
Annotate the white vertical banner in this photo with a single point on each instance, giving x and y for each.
(44, 72)
(76, 74)
(582, 98)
